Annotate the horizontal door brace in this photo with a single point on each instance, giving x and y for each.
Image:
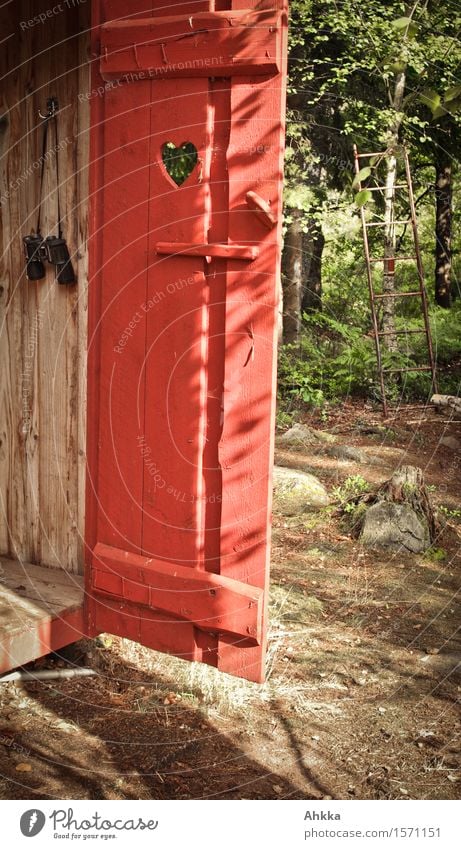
(211, 602)
(203, 44)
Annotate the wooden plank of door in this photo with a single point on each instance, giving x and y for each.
(198, 45)
(255, 163)
(119, 157)
(176, 333)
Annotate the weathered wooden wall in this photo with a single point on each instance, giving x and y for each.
(42, 324)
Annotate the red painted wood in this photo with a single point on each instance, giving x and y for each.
(210, 602)
(198, 45)
(245, 449)
(208, 249)
(182, 346)
(262, 208)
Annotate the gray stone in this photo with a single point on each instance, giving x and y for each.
(348, 453)
(297, 492)
(301, 435)
(395, 526)
(451, 442)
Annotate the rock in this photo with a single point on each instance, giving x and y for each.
(347, 452)
(302, 435)
(448, 666)
(451, 442)
(297, 492)
(395, 526)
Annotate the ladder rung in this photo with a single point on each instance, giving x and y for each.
(391, 258)
(404, 370)
(383, 188)
(385, 224)
(398, 332)
(397, 295)
(378, 153)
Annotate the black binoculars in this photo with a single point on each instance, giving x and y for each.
(52, 249)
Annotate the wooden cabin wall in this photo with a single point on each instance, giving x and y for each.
(43, 324)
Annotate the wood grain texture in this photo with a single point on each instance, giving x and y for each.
(183, 342)
(41, 610)
(245, 449)
(42, 324)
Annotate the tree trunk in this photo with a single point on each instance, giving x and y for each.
(443, 216)
(389, 217)
(313, 245)
(292, 278)
(406, 486)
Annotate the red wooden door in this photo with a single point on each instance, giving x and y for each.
(183, 298)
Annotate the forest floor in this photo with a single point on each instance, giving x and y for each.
(364, 669)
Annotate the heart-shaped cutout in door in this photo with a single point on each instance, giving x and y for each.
(180, 161)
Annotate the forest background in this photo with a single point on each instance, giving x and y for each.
(378, 75)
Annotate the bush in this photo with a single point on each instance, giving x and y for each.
(334, 360)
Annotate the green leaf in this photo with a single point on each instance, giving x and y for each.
(453, 106)
(452, 93)
(439, 112)
(362, 175)
(363, 197)
(430, 98)
(397, 67)
(405, 24)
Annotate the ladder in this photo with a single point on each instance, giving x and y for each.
(389, 269)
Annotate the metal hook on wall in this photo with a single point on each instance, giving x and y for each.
(52, 106)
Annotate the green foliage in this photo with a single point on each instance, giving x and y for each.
(435, 555)
(362, 197)
(179, 161)
(345, 59)
(361, 176)
(284, 419)
(350, 491)
(450, 513)
(332, 360)
(335, 359)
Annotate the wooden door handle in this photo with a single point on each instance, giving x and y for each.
(262, 208)
(223, 251)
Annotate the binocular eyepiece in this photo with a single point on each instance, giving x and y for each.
(52, 249)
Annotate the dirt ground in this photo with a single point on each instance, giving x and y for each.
(364, 668)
